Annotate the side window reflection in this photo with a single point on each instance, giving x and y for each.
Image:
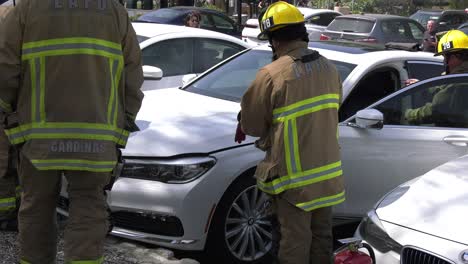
(439, 105)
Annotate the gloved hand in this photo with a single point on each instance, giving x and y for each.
(240, 135)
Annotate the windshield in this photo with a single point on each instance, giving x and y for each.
(230, 80)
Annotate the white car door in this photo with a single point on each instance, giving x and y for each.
(377, 160)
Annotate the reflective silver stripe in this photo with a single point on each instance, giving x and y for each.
(71, 46)
(305, 107)
(37, 68)
(31, 131)
(300, 179)
(114, 86)
(292, 156)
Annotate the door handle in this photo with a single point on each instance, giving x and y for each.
(457, 140)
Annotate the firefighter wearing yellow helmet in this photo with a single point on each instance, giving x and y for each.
(292, 106)
(446, 98)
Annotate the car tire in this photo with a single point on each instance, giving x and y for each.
(240, 231)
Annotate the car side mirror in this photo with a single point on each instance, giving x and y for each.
(369, 118)
(152, 73)
(442, 23)
(188, 78)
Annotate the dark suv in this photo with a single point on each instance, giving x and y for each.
(374, 28)
(444, 19)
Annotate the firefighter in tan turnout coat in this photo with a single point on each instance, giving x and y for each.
(9, 193)
(292, 105)
(70, 75)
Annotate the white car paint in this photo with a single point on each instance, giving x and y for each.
(428, 213)
(177, 125)
(162, 32)
(250, 32)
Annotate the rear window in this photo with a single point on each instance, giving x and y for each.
(161, 16)
(351, 25)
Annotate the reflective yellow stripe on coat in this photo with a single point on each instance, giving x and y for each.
(7, 204)
(297, 177)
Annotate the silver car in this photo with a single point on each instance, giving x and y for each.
(187, 185)
(424, 219)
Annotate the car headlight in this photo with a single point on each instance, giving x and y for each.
(180, 170)
(372, 230)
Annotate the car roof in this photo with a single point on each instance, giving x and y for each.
(362, 53)
(307, 12)
(373, 17)
(151, 30)
(190, 8)
(439, 11)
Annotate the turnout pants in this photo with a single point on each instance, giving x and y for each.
(304, 237)
(8, 181)
(87, 224)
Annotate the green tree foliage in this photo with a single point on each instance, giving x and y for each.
(458, 4)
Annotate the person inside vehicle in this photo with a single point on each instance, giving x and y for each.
(193, 19)
(454, 47)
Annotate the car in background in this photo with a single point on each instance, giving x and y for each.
(210, 19)
(316, 20)
(424, 219)
(178, 51)
(374, 28)
(444, 19)
(186, 184)
(464, 27)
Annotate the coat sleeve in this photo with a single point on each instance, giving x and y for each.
(11, 29)
(256, 106)
(133, 73)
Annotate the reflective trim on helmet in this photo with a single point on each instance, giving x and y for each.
(74, 164)
(322, 202)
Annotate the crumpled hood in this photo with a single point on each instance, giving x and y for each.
(436, 203)
(174, 122)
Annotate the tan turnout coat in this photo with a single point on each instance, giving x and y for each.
(293, 107)
(70, 78)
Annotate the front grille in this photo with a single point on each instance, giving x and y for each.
(416, 256)
(142, 222)
(148, 223)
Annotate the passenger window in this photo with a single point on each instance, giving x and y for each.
(173, 57)
(440, 104)
(422, 70)
(206, 22)
(222, 23)
(416, 31)
(369, 90)
(209, 52)
(397, 30)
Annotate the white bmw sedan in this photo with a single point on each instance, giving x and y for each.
(187, 185)
(176, 51)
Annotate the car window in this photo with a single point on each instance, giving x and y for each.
(398, 30)
(422, 18)
(440, 104)
(230, 80)
(351, 25)
(163, 16)
(222, 23)
(209, 52)
(173, 57)
(206, 22)
(453, 20)
(371, 88)
(321, 20)
(416, 31)
(423, 70)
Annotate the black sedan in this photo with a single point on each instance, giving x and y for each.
(210, 19)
